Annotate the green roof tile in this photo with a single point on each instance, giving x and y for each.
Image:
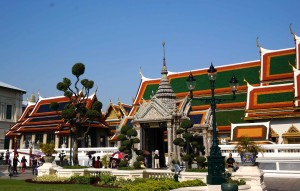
(275, 97)
(280, 64)
(229, 116)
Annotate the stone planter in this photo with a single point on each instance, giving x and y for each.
(248, 159)
(229, 187)
(49, 159)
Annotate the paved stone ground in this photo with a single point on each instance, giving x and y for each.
(272, 184)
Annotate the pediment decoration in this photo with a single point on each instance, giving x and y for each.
(273, 133)
(292, 132)
(153, 110)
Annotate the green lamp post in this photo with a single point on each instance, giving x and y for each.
(216, 163)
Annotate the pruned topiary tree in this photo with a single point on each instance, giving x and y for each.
(75, 113)
(128, 139)
(191, 148)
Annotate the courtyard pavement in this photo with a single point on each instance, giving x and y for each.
(272, 184)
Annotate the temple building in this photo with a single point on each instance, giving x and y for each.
(115, 115)
(266, 107)
(40, 124)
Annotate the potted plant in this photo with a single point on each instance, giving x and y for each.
(248, 150)
(48, 149)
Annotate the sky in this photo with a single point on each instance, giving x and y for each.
(41, 40)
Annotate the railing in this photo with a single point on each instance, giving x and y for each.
(273, 151)
(82, 153)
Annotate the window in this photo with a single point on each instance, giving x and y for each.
(39, 138)
(8, 111)
(50, 138)
(63, 140)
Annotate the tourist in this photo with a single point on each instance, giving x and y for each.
(93, 161)
(23, 164)
(34, 166)
(231, 164)
(90, 161)
(15, 164)
(98, 163)
(7, 156)
(156, 159)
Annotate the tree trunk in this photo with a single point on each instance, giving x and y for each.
(75, 152)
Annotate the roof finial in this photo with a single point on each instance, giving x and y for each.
(141, 73)
(291, 65)
(164, 59)
(258, 45)
(292, 32)
(119, 102)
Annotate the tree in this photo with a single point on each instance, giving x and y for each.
(128, 139)
(189, 144)
(76, 114)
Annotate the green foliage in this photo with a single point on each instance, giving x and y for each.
(107, 179)
(68, 94)
(68, 114)
(135, 140)
(97, 105)
(48, 148)
(186, 124)
(187, 136)
(189, 143)
(123, 163)
(139, 152)
(128, 139)
(179, 131)
(197, 170)
(121, 137)
(201, 161)
(131, 133)
(76, 113)
(140, 158)
(125, 128)
(246, 144)
(177, 141)
(238, 182)
(61, 86)
(104, 161)
(163, 184)
(78, 69)
(126, 168)
(75, 167)
(50, 178)
(186, 157)
(137, 165)
(92, 114)
(54, 106)
(77, 179)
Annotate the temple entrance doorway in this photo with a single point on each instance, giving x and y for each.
(153, 138)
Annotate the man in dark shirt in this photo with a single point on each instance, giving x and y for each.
(230, 163)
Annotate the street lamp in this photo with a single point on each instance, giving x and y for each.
(216, 163)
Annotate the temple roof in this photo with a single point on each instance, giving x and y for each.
(40, 117)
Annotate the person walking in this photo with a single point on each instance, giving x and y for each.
(34, 166)
(156, 159)
(15, 164)
(23, 164)
(98, 163)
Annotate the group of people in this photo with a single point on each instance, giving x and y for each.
(13, 164)
(92, 162)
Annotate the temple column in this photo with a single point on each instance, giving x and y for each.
(170, 143)
(69, 144)
(44, 138)
(21, 141)
(10, 143)
(56, 142)
(137, 127)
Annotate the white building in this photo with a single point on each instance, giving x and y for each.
(11, 99)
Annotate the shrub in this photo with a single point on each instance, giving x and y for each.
(75, 167)
(107, 179)
(123, 163)
(137, 165)
(80, 179)
(238, 182)
(197, 170)
(50, 178)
